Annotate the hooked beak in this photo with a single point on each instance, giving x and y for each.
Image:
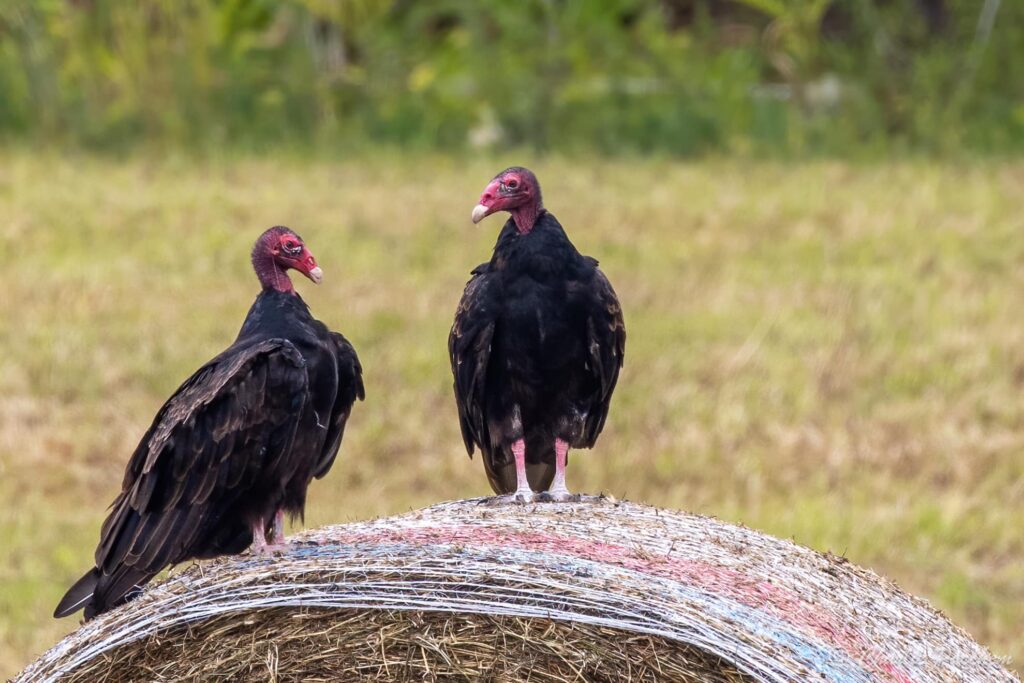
(316, 275)
(480, 212)
(490, 201)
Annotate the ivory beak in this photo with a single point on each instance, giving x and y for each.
(479, 211)
(316, 275)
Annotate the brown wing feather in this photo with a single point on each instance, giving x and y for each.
(350, 388)
(606, 346)
(469, 349)
(226, 424)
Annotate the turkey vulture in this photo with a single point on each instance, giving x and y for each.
(536, 347)
(237, 444)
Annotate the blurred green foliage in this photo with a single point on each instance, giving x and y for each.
(673, 77)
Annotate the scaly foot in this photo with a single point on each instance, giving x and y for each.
(270, 549)
(277, 546)
(562, 496)
(517, 498)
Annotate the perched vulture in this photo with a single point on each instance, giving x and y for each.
(536, 347)
(237, 444)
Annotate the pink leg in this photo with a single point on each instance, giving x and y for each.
(523, 492)
(259, 540)
(558, 491)
(277, 531)
(522, 484)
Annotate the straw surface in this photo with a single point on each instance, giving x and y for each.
(596, 591)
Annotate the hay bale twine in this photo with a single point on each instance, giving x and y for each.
(595, 591)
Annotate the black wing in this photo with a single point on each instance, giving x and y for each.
(469, 348)
(606, 349)
(232, 420)
(350, 388)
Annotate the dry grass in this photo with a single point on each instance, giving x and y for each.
(591, 591)
(824, 352)
(323, 645)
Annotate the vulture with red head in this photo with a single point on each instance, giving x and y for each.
(536, 347)
(236, 446)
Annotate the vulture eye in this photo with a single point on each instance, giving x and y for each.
(512, 184)
(292, 248)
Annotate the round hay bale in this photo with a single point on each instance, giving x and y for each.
(595, 591)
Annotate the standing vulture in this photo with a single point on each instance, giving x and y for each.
(536, 347)
(237, 444)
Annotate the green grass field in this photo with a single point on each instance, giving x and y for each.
(828, 353)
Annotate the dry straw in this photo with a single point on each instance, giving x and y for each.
(592, 591)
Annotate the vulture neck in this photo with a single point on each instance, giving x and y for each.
(271, 275)
(526, 216)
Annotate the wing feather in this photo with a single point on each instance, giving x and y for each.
(350, 388)
(469, 349)
(234, 417)
(606, 349)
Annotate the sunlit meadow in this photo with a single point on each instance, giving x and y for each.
(826, 352)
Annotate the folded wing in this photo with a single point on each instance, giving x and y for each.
(350, 388)
(227, 430)
(469, 349)
(606, 349)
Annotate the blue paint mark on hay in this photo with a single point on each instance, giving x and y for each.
(817, 656)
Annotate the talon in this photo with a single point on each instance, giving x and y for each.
(271, 550)
(559, 497)
(277, 545)
(517, 498)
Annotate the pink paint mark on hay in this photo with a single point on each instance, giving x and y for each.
(715, 579)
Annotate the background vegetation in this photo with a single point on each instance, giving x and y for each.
(669, 77)
(826, 352)
(824, 310)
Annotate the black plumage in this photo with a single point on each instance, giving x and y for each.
(536, 346)
(237, 444)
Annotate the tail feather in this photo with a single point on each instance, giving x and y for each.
(118, 588)
(78, 595)
(97, 593)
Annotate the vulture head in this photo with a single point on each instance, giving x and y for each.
(276, 251)
(515, 190)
